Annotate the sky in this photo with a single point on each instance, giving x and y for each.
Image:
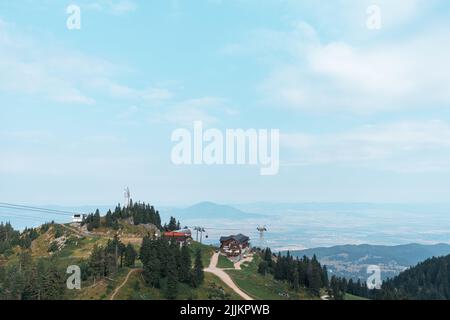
(363, 114)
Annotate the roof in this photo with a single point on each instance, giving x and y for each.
(174, 234)
(239, 238)
(184, 231)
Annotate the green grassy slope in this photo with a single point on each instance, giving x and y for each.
(224, 263)
(212, 288)
(206, 251)
(264, 287)
(78, 248)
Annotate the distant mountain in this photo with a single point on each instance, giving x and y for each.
(209, 210)
(351, 261)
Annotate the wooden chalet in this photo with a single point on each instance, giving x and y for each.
(235, 245)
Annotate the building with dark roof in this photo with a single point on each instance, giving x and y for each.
(235, 245)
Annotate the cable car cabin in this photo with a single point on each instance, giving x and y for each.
(77, 218)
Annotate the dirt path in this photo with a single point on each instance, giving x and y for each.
(238, 264)
(116, 291)
(83, 233)
(225, 277)
(78, 232)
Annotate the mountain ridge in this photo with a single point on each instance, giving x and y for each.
(210, 210)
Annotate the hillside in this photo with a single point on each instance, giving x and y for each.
(429, 280)
(52, 247)
(122, 256)
(266, 287)
(351, 261)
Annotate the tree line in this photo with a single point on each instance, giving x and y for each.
(167, 265)
(10, 238)
(106, 261)
(339, 287)
(299, 273)
(28, 279)
(139, 213)
(429, 280)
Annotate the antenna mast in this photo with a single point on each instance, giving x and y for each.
(127, 196)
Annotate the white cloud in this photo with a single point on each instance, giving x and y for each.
(338, 76)
(30, 68)
(339, 65)
(184, 113)
(149, 94)
(67, 165)
(401, 146)
(344, 17)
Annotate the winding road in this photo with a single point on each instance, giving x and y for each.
(222, 275)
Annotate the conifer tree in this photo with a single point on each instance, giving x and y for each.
(96, 220)
(130, 255)
(172, 279)
(185, 265)
(198, 275)
(295, 280)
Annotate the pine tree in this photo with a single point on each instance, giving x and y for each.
(268, 255)
(109, 221)
(96, 220)
(198, 275)
(325, 280)
(146, 247)
(334, 289)
(172, 280)
(152, 272)
(130, 255)
(151, 262)
(185, 265)
(97, 263)
(52, 284)
(314, 274)
(263, 267)
(163, 252)
(278, 270)
(295, 281)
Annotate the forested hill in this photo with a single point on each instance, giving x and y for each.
(429, 280)
(351, 261)
(122, 256)
(119, 256)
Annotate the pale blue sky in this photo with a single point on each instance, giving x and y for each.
(364, 115)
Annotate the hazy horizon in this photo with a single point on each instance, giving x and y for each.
(298, 226)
